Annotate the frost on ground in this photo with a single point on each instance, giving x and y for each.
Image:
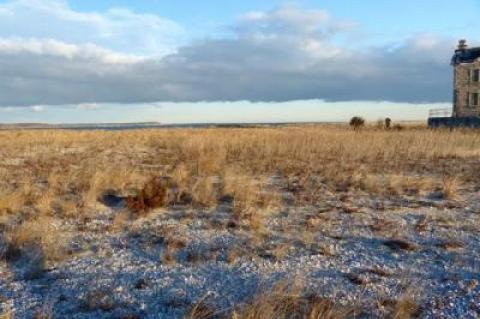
(159, 265)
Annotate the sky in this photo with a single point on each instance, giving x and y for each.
(84, 61)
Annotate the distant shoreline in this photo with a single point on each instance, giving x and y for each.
(149, 125)
(152, 125)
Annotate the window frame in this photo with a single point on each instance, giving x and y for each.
(475, 99)
(475, 76)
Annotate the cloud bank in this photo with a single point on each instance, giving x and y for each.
(289, 53)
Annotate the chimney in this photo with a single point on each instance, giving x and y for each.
(462, 45)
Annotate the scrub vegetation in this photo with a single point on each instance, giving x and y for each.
(282, 192)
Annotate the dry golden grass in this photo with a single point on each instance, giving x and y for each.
(7, 314)
(94, 161)
(36, 243)
(120, 221)
(48, 175)
(406, 307)
(168, 257)
(285, 300)
(450, 188)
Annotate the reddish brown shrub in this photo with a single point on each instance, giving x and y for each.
(154, 194)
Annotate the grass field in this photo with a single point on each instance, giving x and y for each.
(299, 210)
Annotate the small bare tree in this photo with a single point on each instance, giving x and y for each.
(357, 122)
(388, 123)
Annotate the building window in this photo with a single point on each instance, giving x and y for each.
(475, 75)
(475, 99)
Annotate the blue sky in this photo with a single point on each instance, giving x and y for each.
(386, 20)
(228, 61)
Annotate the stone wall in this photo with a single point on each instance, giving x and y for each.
(464, 86)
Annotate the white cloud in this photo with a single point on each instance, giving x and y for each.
(54, 48)
(285, 19)
(37, 108)
(280, 55)
(88, 106)
(8, 109)
(116, 29)
(156, 105)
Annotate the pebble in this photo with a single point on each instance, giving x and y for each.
(166, 290)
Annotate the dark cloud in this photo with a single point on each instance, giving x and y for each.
(285, 54)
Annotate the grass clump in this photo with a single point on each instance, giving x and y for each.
(450, 187)
(285, 300)
(32, 245)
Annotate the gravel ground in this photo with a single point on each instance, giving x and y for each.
(430, 250)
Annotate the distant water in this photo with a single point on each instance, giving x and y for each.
(139, 126)
(116, 127)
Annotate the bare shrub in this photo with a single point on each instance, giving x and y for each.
(388, 123)
(357, 122)
(154, 194)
